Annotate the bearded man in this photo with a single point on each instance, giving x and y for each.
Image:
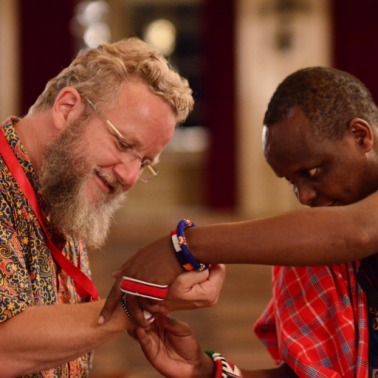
(64, 170)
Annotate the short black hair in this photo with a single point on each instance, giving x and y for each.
(329, 98)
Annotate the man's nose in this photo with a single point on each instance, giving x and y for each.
(305, 194)
(127, 174)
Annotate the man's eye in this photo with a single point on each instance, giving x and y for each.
(122, 146)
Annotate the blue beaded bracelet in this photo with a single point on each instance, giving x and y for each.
(185, 258)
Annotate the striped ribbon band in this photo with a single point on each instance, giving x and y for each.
(144, 289)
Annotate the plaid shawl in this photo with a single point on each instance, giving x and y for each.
(317, 321)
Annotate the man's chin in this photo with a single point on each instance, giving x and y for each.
(94, 228)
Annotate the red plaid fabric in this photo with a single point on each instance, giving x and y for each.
(317, 321)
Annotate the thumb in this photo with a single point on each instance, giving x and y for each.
(189, 279)
(142, 336)
(149, 347)
(117, 273)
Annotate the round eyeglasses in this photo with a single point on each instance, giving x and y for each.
(147, 171)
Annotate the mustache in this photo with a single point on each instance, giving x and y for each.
(109, 180)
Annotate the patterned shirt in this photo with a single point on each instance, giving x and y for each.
(28, 274)
(317, 321)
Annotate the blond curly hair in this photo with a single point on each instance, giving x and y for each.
(100, 73)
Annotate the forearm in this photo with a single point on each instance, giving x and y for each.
(321, 236)
(47, 336)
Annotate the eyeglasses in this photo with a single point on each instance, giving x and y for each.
(121, 144)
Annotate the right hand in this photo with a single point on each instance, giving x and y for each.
(174, 351)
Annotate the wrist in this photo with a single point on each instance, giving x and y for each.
(192, 241)
(181, 248)
(207, 367)
(223, 368)
(123, 322)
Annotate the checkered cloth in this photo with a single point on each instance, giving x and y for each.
(317, 321)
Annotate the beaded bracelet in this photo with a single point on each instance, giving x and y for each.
(223, 368)
(147, 315)
(185, 258)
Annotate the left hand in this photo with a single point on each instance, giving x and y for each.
(173, 350)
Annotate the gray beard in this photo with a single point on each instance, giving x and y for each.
(64, 175)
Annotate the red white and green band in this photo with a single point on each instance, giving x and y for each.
(223, 368)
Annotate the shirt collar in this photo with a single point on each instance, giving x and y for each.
(23, 158)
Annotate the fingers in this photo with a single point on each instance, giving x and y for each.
(150, 305)
(175, 327)
(218, 267)
(189, 279)
(212, 287)
(144, 341)
(111, 303)
(117, 273)
(135, 307)
(217, 274)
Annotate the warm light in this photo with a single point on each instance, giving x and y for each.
(96, 34)
(161, 34)
(90, 12)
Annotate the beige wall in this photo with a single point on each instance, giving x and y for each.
(260, 68)
(9, 59)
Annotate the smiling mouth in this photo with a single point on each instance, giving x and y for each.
(104, 180)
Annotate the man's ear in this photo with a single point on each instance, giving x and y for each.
(362, 133)
(67, 107)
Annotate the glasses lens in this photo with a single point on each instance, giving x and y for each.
(148, 173)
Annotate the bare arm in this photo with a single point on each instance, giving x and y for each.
(47, 336)
(308, 237)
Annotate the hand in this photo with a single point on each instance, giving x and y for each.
(154, 263)
(194, 289)
(174, 351)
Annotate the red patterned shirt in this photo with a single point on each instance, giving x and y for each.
(28, 274)
(317, 321)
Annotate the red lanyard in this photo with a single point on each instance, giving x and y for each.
(83, 284)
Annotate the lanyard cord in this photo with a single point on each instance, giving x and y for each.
(83, 284)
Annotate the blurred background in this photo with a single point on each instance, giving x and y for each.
(234, 54)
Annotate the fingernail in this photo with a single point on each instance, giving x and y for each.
(101, 320)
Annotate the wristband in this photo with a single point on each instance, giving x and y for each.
(143, 289)
(185, 258)
(124, 305)
(147, 315)
(223, 368)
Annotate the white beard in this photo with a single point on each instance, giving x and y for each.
(64, 177)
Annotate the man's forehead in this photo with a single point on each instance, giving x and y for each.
(290, 131)
(291, 141)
